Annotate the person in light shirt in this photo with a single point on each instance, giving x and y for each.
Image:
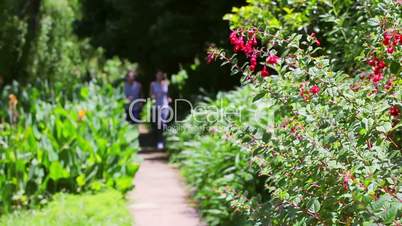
(160, 94)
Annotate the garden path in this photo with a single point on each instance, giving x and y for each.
(160, 197)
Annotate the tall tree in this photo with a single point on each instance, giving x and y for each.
(31, 12)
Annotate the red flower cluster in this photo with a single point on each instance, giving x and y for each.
(377, 67)
(253, 62)
(306, 94)
(313, 36)
(272, 59)
(264, 72)
(392, 39)
(246, 42)
(236, 38)
(315, 90)
(394, 111)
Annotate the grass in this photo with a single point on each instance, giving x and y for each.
(104, 209)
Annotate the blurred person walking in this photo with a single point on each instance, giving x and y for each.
(134, 97)
(160, 112)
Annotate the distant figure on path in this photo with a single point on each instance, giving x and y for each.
(160, 113)
(133, 92)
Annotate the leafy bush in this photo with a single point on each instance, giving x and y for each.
(106, 208)
(325, 145)
(73, 146)
(210, 161)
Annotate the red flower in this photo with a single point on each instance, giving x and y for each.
(394, 111)
(251, 32)
(315, 90)
(346, 179)
(239, 45)
(381, 64)
(272, 59)
(233, 38)
(253, 41)
(377, 78)
(248, 49)
(264, 72)
(397, 39)
(236, 41)
(253, 62)
(389, 84)
(313, 36)
(390, 50)
(211, 58)
(385, 42)
(387, 38)
(377, 70)
(372, 62)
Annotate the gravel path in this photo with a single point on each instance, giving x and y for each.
(160, 197)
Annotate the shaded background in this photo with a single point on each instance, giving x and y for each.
(161, 34)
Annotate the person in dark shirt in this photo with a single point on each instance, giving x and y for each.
(133, 93)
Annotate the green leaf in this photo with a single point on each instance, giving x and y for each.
(259, 96)
(84, 92)
(57, 171)
(374, 22)
(395, 67)
(385, 127)
(315, 205)
(81, 180)
(390, 214)
(124, 183)
(96, 186)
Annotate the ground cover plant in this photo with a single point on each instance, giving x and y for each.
(106, 208)
(327, 150)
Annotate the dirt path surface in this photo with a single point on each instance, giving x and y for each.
(160, 197)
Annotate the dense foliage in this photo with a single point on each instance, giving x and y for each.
(60, 144)
(38, 42)
(341, 26)
(313, 145)
(104, 209)
(211, 161)
(58, 131)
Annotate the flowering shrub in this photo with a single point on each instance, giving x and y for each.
(71, 146)
(342, 26)
(334, 140)
(332, 153)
